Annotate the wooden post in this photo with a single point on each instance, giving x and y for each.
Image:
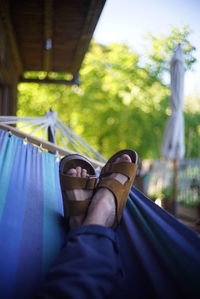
(174, 194)
(10, 64)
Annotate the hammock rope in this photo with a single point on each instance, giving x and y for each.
(61, 133)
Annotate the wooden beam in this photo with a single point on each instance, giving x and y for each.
(45, 144)
(48, 34)
(6, 18)
(74, 81)
(91, 20)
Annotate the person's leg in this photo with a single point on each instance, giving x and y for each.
(86, 267)
(89, 263)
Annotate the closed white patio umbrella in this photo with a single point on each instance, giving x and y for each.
(173, 144)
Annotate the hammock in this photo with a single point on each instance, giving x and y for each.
(160, 255)
(60, 133)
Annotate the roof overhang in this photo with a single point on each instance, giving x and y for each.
(50, 35)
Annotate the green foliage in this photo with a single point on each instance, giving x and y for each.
(192, 134)
(120, 103)
(165, 193)
(163, 48)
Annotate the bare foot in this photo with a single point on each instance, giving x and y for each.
(81, 194)
(102, 209)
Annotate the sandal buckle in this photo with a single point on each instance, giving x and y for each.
(91, 183)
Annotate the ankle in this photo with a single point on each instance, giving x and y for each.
(102, 209)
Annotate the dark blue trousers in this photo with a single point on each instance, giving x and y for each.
(88, 266)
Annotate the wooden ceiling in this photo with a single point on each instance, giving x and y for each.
(50, 35)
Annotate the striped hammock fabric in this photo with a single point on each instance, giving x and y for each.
(161, 256)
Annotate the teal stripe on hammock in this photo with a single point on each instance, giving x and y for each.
(12, 223)
(30, 224)
(52, 211)
(31, 236)
(7, 154)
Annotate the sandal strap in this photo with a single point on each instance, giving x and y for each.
(76, 207)
(71, 183)
(113, 185)
(124, 168)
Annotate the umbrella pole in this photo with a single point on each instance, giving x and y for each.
(174, 194)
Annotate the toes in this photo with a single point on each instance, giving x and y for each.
(71, 172)
(84, 173)
(123, 158)
(78, 171)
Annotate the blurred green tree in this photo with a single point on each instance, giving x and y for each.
(121, 103)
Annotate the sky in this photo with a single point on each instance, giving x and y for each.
(129, 21)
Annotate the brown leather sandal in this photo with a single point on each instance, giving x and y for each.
(76, 207)
(120, 191)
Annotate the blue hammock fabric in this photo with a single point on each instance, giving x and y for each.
(160, 255)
